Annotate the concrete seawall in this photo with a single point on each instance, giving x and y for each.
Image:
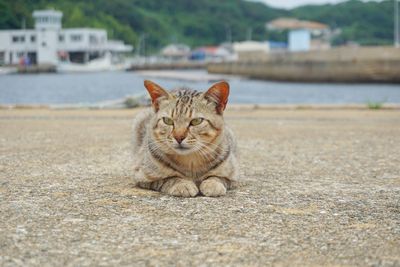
(169, 66)
(367, 64)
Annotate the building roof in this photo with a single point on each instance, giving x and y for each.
(118, 46)
(248, 46)
(212, 50)
(209, 49)
(47, 12)
(292, 24)
(174, 50)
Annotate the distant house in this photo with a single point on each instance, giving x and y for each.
(249, 50)
(277, 46)
(303, 35)
(210, 53)
(251, 46)
(48, 43)
(299, 40)
(176, 52)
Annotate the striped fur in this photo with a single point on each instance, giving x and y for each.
(184, 158)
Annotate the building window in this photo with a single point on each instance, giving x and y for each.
(33, 38)
(55, 20)
(61, 38)
(20, 54)
(2, 58)
(18, 39)
(93, 39)
(76, 37)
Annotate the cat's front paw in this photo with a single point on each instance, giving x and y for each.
(213, 187)
(180, 188)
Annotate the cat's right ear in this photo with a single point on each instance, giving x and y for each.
(218, 93)
(157, 93)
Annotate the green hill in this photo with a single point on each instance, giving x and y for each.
(367, 23)
(203, 22)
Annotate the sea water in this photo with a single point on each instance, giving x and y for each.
(90, 88)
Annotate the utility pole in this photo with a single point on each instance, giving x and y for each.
(396, 24)
(144, 46)
(249, 33)
(25, 36)
(141, 45)
(228, 33)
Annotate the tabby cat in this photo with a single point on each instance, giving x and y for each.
(182, 145)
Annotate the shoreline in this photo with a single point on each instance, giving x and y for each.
(117, 105)
(380, 64)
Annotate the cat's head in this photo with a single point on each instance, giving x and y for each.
(187, 121)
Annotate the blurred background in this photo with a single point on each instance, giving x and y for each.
(97, 53)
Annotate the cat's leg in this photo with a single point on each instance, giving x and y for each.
(174, 186)
(179, 187)
(156, 185)
(214, 186)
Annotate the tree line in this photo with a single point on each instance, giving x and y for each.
(205, 22)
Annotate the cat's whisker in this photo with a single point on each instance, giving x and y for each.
(204, 154)
(213, 147)
(207, 153)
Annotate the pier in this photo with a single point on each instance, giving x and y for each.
(179, 65)
(340, 65)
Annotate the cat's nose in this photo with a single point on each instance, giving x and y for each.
(179, 138)
(179, 134)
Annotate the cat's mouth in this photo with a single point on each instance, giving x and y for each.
(181, 147)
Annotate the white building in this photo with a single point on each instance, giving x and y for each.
(251, 50)
(176, 52)
(251, 46)
(48, 43)
(299, 40)
(303, 35)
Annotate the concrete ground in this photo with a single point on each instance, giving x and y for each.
(320, 188)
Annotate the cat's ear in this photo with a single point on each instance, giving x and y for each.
(218, 93)
(157, 93)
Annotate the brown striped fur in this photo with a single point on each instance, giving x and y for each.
(177, 155)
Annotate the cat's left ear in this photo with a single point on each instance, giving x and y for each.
(157, 93)
(218, 93)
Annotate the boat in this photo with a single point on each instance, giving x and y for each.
(8, 70)
(100, 64)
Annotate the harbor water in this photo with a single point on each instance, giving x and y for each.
(89, 88)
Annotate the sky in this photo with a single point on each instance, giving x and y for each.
(295, 3)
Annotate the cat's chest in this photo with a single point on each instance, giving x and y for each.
(191, 167)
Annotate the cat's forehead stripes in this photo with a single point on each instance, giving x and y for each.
(183, 105)
(182, 92)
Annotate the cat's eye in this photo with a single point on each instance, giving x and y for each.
(168, 121)
(196, 121)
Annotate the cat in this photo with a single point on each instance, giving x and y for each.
(182, 145)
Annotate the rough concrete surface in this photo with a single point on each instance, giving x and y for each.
(320, 188)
